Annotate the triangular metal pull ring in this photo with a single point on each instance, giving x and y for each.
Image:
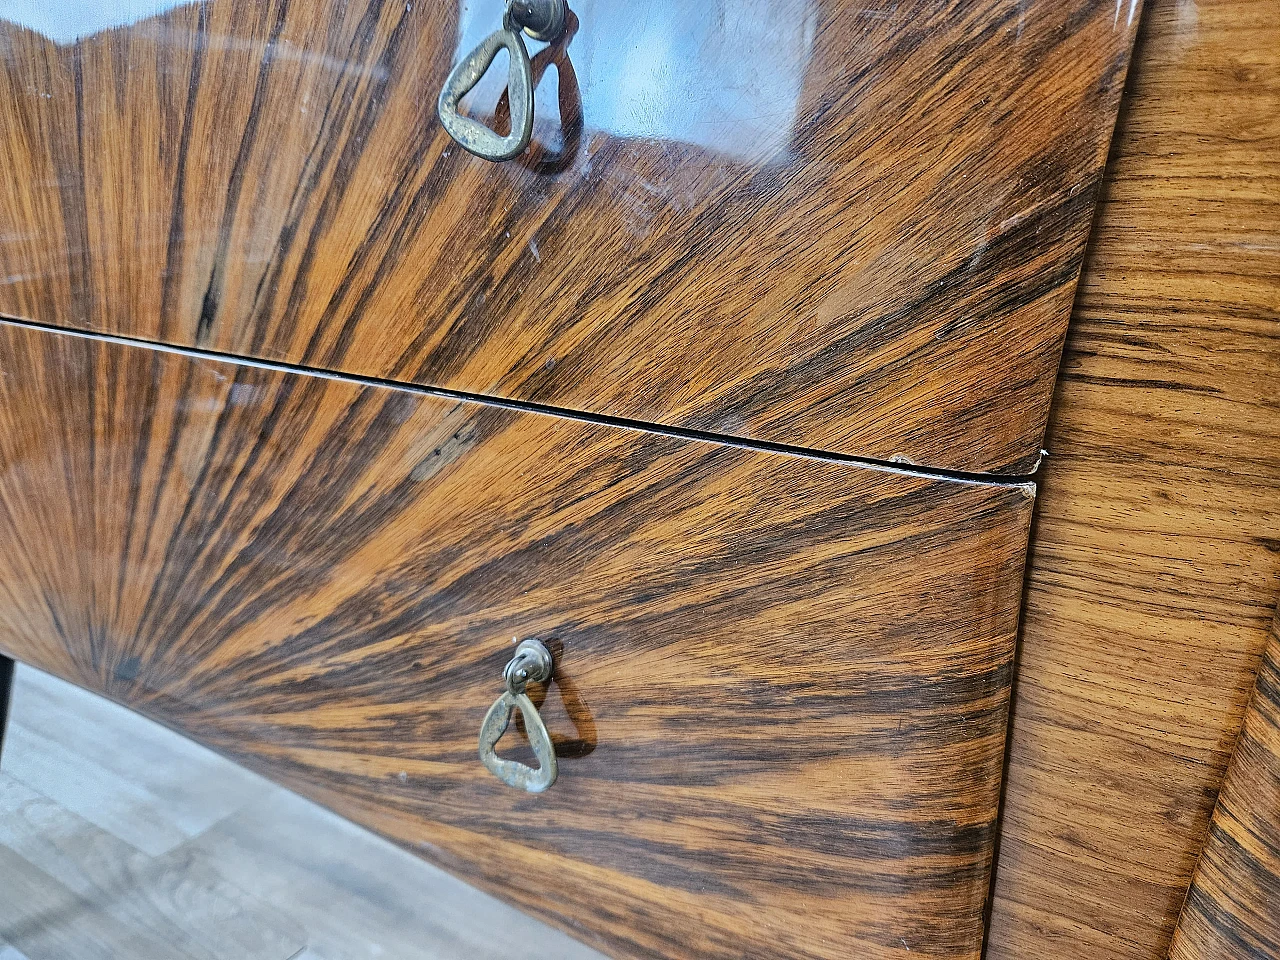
(472, 134)
(532, 661)
(512, 772)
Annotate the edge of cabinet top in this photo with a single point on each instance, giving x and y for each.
(800, 222)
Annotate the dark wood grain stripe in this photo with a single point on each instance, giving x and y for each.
(212, 298)
(185, 119)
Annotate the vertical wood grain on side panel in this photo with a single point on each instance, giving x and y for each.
(1156, 565)
(810, 222)
(781, 697)
(1232, 911)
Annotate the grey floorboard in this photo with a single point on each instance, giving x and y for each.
(134, 778)
(370, 899)
(178, 897)
(124, 838)
(46, 921)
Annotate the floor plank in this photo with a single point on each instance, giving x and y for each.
(123, 836)
(389, 903)
(47, 921)
(179, 897)
(118, 770)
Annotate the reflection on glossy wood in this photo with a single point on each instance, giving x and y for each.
(1156, 565)
(807, 222)
(1233, 908)
(783, 680)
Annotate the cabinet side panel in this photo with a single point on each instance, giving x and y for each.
(1156, 565)
(1233, 908)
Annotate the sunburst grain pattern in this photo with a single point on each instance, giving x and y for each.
(781, 685)
(808, 222)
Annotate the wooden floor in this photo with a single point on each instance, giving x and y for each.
(122, 840)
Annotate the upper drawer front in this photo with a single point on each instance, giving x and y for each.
(810, 222)
(781, 683)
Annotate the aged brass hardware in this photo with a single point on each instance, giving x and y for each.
(541, 20)
(531, 662)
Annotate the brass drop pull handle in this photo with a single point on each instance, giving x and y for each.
(531, 662)
(540, 19)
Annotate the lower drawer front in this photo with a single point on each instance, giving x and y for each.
(781, 683)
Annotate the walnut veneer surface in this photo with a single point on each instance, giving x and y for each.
(809, 222)
(1156, 561)
(867, 245)
(781, 693)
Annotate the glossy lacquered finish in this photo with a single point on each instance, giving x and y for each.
(1156, 565)
(1232, 911)
(781, 683)
(813, 222)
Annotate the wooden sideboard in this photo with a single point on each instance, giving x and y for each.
(732, 389)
